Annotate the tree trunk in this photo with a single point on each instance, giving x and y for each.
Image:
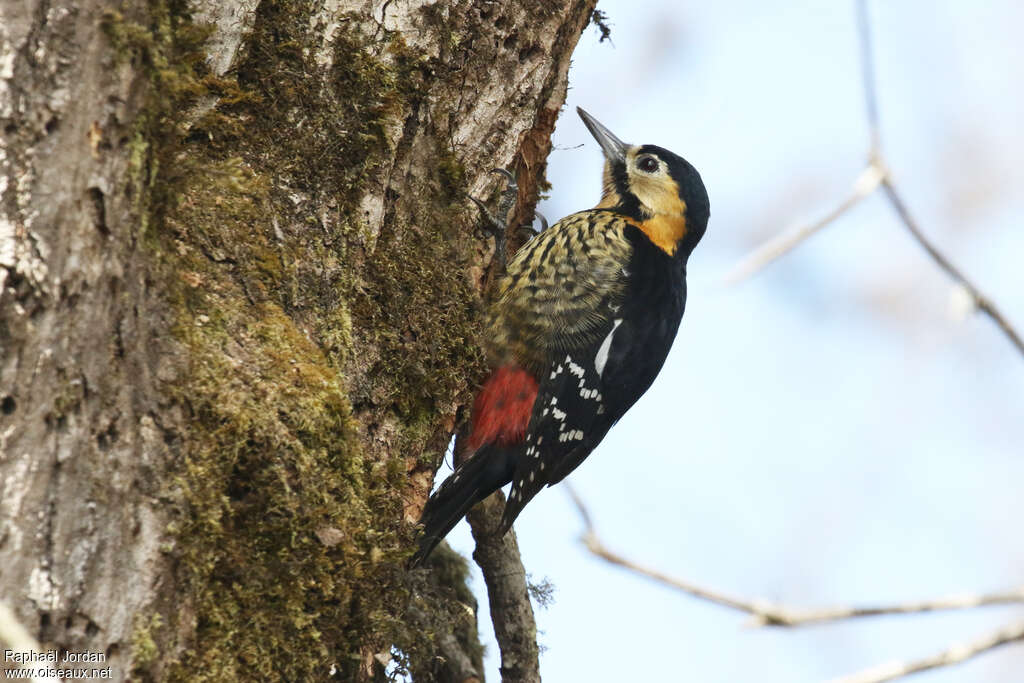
(240, 287)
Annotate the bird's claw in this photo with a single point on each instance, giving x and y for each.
(537, 215)
(497, 224)
(509, 176)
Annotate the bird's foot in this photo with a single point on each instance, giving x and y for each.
(497, 223)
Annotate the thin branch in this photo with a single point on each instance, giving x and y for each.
(956, 654)
(873, 176)
(980, 301)
(498, 557)
(867, 66)
(767, 613)
(867, 182)
(18, 640)
(511, 612)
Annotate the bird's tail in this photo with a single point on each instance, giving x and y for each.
(479, 476)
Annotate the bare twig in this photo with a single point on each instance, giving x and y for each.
(980, 301)
(954, 655)
(16, 639)
(767, 613)
(874, 175)
(867, 66)
(867, 182)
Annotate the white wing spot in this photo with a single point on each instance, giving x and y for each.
(559, 415)
(574, 435)
(602, 352)
(531, 477)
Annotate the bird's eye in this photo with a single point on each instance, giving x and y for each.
(647, 164)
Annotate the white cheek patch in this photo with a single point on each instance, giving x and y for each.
(602, 352)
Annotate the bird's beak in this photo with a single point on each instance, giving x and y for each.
(614, 148)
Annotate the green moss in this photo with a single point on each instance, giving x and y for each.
(452, 175)
(277, 462)
(335, 333)
(144, 647)
(447, 585)
(67, 399)
(287, 533)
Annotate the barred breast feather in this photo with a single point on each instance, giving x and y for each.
(561, 290)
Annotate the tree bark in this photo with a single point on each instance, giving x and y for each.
(240, 288)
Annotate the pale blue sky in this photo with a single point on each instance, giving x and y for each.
(826, 432)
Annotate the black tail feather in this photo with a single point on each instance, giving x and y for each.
(476, 478)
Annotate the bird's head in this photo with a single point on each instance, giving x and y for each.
(656, 190)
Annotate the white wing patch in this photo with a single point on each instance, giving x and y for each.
(602, 352)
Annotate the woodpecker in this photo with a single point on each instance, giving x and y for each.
(581, 324)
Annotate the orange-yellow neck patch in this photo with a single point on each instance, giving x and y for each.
(664, 230)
